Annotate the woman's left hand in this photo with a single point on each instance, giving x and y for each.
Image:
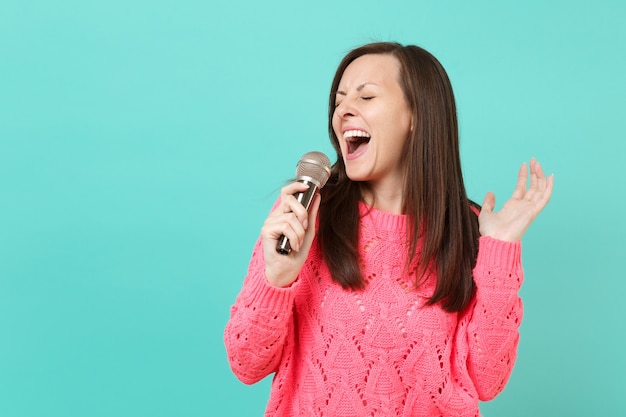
(517, 214)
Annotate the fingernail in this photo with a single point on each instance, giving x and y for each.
(305, 223)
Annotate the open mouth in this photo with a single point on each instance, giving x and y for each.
(355, 140)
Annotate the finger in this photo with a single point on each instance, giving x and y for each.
(294, 187)
(541, 177)
(310, 231)
(294, 232)
(522, 178)
(549, 186)
(537, 192)
(285, 224)
(290, 190)
(489, 202)
(292, 205)
(313, 210)
(533, 174)
(533, 187)
(289, 202)
(545, 194)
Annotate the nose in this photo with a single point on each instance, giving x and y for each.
(346, 108)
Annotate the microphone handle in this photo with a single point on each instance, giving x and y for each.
(305, 198)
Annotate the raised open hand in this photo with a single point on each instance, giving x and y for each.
(516, 215)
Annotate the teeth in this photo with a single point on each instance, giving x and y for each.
(355, 133)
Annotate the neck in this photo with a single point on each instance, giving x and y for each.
(387, 199)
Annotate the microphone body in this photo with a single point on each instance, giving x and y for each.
(305, 198)
(313, 169)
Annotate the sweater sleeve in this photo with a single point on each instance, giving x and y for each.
(259, 323)
(495, 316)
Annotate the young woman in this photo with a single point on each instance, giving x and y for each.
(401, 297)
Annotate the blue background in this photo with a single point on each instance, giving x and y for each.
(142, 144)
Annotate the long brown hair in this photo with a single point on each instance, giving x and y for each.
(434, 198)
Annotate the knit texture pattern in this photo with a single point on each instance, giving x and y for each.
(381, 351)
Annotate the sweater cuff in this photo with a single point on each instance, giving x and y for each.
(494, 253)
(260, 293)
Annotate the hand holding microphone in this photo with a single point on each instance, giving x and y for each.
(288, 231)
(313, 169)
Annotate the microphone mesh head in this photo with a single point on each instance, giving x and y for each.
(314, 166)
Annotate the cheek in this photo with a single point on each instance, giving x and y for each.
(335, 123)
(402, 126)
(336, 129)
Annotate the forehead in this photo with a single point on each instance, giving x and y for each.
(380, 69)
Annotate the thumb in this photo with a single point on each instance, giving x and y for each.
(313, 211)
(489, 202)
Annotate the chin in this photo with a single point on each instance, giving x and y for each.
(357, 176)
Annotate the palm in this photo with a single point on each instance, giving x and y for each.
(516, 215)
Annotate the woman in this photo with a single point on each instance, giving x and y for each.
(401, 298)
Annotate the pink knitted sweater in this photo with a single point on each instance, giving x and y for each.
(381, 351)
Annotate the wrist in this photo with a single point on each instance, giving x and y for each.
(279, 280)
(504, 237)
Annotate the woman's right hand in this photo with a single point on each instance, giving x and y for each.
(292, 220)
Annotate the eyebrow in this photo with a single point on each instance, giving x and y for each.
(359, 88)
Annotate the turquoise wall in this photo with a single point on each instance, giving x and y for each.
(143, 142)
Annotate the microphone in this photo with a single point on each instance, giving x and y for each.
(313, 169)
